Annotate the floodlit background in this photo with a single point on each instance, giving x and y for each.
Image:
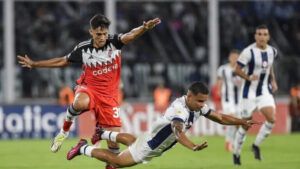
(192, 41)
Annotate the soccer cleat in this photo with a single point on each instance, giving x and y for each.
(236, 159)
(255, 149)
(109, 167)
(97, 136)
(57, 141)
(75, 151)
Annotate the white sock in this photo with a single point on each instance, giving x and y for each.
(110, 135)
(87, 150)
(227, 133)
(263, 133)
(239, 140)
(232, 133)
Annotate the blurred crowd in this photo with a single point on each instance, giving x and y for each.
(175, 53)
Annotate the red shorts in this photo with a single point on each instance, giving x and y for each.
(107, 109)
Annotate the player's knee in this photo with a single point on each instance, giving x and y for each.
(81, 102)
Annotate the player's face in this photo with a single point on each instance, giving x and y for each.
(233, 57)
(262, 37)
(100, 36)
(196, 102)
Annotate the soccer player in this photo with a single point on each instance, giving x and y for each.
(97, 88)
(255, 67)
(228, 87)
(165, 133)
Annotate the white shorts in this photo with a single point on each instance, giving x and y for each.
(140, 150)
(248, 106)
(229, 108)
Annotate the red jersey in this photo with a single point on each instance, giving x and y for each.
(101, 66)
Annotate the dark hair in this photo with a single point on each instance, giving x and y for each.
(261, 27)
(99, 20)
(198, 87)
(235, 51)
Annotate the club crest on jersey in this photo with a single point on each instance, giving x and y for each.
(100, 57)
(264, 64)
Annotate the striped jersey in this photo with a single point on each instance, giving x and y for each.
(257, 62)
(161, 138)
(229, 84)
(101, 66)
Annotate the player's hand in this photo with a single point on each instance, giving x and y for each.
(249, 123)
(253, 77)
(274, 86)
(200, 146)
(25, 61)
(151, 23)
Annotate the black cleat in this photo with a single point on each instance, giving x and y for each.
(236, 159)
(256, 151)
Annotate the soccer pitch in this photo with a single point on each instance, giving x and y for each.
(278, 152)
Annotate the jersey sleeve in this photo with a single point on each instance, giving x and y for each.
(244, 57)
(205, 111)
(219, 72)
(75, 56)
(176, 112)
(116, 40)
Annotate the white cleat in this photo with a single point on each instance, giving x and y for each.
(57, 141)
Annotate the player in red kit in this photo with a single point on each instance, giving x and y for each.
(97, 88)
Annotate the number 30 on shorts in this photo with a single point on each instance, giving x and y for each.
(116, 112)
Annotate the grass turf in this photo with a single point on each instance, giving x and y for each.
(278, 152)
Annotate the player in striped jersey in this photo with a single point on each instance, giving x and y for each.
(228, 88)
(165, 133)
(97, 89)
(255, 66)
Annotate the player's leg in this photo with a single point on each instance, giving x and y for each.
(123, 159)
(81, 103)
(229, 130)
(247, 107)
(229, 136)
(113, 136)
(112, 145)
(265, 130)
(267, 108)
(108, 116)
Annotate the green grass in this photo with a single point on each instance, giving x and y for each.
(278, 151)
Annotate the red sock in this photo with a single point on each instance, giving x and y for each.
(67, 125)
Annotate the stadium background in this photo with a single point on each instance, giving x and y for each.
(193, 39)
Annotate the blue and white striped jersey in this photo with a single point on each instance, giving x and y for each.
(161, 138)
(229, 84)
(257, 62)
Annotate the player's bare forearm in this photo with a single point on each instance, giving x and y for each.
(137, 32)
(177, 127)
(230, 120)
(238, 71)
(273, 80)
(51, 63)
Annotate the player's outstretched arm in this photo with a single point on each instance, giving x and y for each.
(177, 127)
(25, 61)
(229, 120)
(136, 32)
